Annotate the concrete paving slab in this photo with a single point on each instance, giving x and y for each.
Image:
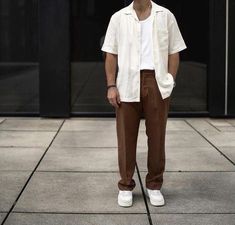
(201, 124)
(80, 159)
(78, 219)
(176, 124)
(218, 122)
(76, 193)
(2, 216)
(221, 124)
(109, 124)
(193, 219)
(92, 124)
(1, 120)
(197, 192)
(20, 158)
(185, 139)
(11, 185)
(227, 128)
(31, 124)
(25, 138)
(190, 159)
(109, 139)
(220, 139)
(85, 139)
(231, 121)
(229, 152)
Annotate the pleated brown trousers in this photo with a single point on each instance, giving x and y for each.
(155, 111)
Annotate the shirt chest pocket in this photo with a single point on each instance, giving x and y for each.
(163, 39)
(162, 31)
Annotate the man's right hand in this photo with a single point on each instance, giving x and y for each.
(113, 97)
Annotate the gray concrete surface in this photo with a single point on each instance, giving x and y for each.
(66, 173)
(2, 215)
(19, 158)
(75, 193)
(12, 183)
(78, 219)
(25, 138)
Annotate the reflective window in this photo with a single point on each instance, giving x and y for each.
(89, 22)
(190, 94)
(19, 84)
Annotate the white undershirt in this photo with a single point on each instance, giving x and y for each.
(146, 58)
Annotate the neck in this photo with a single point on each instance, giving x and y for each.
(141, 5)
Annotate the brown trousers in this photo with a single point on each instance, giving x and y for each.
(128, 115)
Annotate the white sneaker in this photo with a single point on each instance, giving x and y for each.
(156, 197)
(125, 198)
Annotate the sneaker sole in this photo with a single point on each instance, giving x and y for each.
(124, 204)
(161, 203)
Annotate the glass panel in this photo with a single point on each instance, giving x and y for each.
(89, 23)
(19, 85)
(88, 76)
(190, 93)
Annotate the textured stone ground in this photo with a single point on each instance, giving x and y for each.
(65, 172)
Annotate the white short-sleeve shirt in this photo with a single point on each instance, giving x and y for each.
(123, 37)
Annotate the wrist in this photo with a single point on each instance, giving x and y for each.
(111, 85)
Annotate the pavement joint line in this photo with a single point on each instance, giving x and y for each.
(28, 130)
(72, 213)
(32, 173)
(198, 171)
(144, 196)
(233, 125)
(212, 144)
(122, 213)
(54, 147)
(2, 121)
(213, 125)
(15, 146)
(217, 213)
(75, 171)
(116, 171)
(81, 147)
(21, 146)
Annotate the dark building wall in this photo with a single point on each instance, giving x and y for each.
(54, 55)
(19, 83)
(20, 51)
(231, 59)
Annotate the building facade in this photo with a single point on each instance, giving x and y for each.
(51, 64)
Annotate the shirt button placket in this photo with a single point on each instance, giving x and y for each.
(139, 55)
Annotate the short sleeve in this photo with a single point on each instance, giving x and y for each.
(110, 41)
(176, 41)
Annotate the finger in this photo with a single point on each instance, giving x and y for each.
(118, 99)
(115, 103)
(111, 101)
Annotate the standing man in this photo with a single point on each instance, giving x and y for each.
(144, 41)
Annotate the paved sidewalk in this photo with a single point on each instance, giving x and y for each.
(65, 172)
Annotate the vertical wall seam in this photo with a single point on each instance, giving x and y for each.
(226, 58)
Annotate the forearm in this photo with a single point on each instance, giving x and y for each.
(110, 68)
(173, 64)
